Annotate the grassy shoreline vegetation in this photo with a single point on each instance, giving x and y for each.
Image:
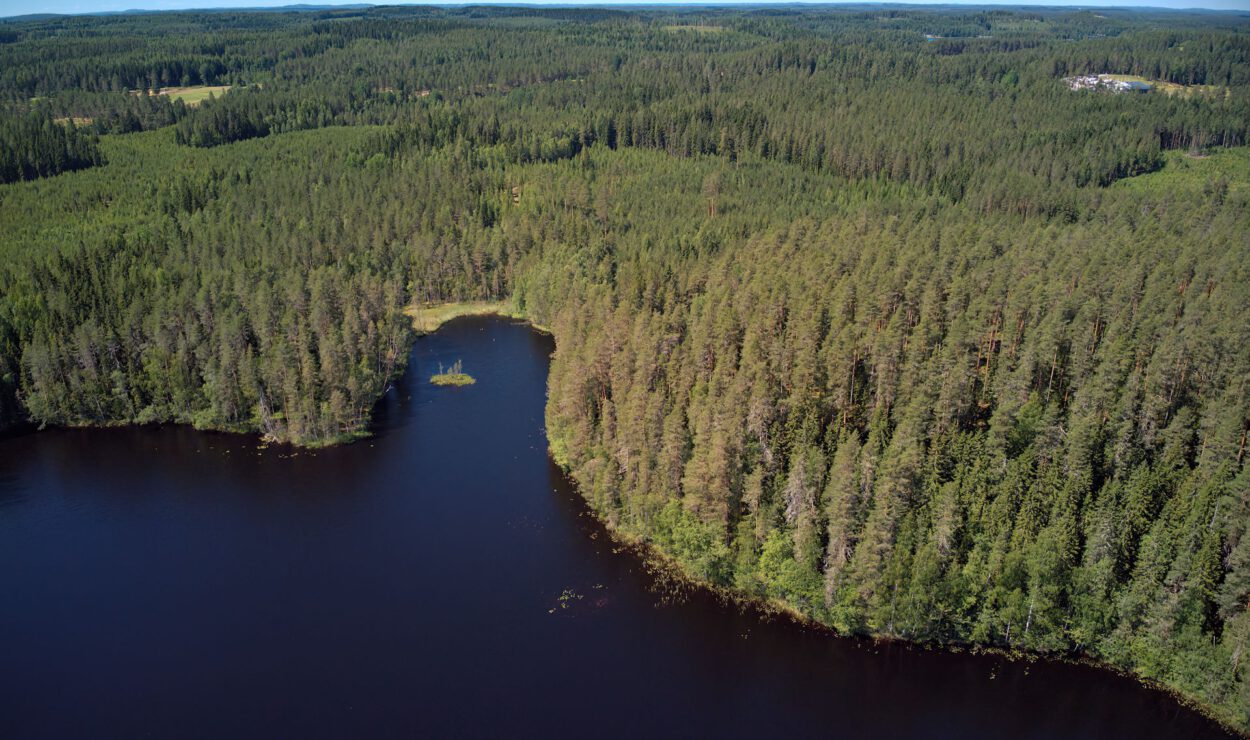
(427, 319)
(870, 316)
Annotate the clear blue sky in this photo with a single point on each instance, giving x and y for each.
(22, 7)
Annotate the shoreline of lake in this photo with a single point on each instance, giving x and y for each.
(759, 615)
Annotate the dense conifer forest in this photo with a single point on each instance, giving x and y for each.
(862, 311)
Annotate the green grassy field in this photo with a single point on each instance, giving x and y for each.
(1171, 88)
(194, 95)
(1186, 172)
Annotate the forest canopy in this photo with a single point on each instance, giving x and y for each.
(863, 311)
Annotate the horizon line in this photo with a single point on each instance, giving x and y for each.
(350, 4)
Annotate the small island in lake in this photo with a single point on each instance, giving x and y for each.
(453, 375)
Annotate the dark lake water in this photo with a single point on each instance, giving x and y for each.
(162, 582)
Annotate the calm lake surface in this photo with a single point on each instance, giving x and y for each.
(162, 582)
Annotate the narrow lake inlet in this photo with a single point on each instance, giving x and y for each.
(439, 579)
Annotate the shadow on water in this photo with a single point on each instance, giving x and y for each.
(439, 579)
